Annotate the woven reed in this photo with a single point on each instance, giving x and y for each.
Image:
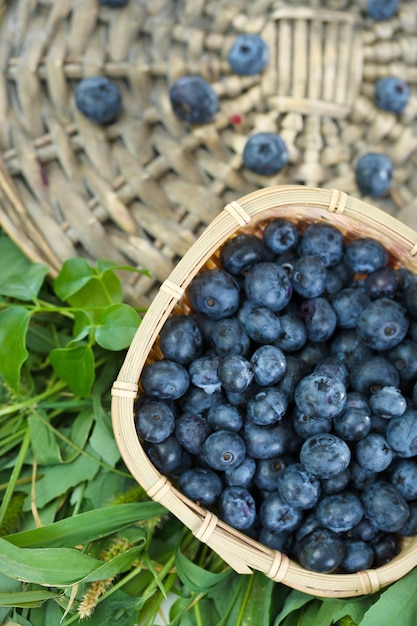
(141, 190)
(354, 218)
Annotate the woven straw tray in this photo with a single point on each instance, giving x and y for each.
(141, 190)
(250, 214)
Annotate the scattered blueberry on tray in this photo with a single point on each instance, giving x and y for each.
(292, 414)
(193, 99)
(99, 99)
(392, 94)
(248, 55)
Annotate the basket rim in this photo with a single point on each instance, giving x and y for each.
(256, 207)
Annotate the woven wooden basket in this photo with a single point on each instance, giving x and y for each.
(250, 214)
(141, 190)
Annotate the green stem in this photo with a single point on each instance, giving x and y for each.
(15, 475)
(245, 601)
(197, 612)
(21, 406)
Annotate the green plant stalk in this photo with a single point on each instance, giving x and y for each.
(245, 601)
(21, 406)
(15, 475)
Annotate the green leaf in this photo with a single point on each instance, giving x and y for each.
(85, 527)
(74, 275)
(14, 323)
(19, 277)
(103, 441)
(83, 325)
(26, 598)
(117, 327)
(118, 608)
(75, 366)
(43, 442)
(256, 612)
(295, 600)
(397, 606)
(195, 577)
(110, 569)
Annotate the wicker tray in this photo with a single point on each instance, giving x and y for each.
(354, 218)
(141, 190)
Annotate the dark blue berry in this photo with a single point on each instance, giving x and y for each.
(320, 396)
(265, 154)
(359, 556)
(338, 277)
(382, 324)
(372, 374)
(298, 487)
(373, 452)
(267, 406)
(282, 542)
(229, 337)
(360, 477)
(311, 354)
(263, 442)
(240, 253)
(277, 515)
(242, 475)
(280, 235)
(224, 417)
(388, 402)
(167, 456)
(404, 478)
(365, 255)
(154, 420)
(194, 100)
(384, 506)
(268, 470)
(310, 522)
(268, 285)
(224, 449)
(410, 527)
(262, 325)
(322, 240)
(325, 455)
(248, 55)
(214, 293)
(192, 431)
(373, 173)
(340, 512)
(293, 373)
(319, 318)
(348, 304)
(99, 99)
(321, 551)
(201, 485)
(354, 422)
(335, 484)
(165, 379)
(334, 368)
(383, 283)
(306, 426)
(114, 3)
(347, 347)
(391, 94)
(237, 507)
(382, 9)
(203, 373)
(404, 358)
(401, 434)
(196, 400)
(386, 546)
(309, 276)
(410, 299)
(364, 531)
(235, 373)
(293, 334)
(268, 365)
(181, 339)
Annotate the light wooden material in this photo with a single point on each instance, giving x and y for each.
(141, 190)
(249, 214)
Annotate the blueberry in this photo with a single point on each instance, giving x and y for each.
(335, 484)
(242, 475)
(373, 452)
(293, 374)
(235, 373)
(322, 240)
(373, 174)
(334, 368)
(191, 431)
(388, 402)
(383, 283)
(203, 373)
(265, 154)
(382, 9)
(268, 285)
(386, 546)
(384, 506)
(282, 542)
(410, 527)
(348, 304)
(340, 512)
(224, 417)
(359, 556)
(181, 339)
(262, 325)
(267, 407)
(240, 253)
(391, 94)
(293, 334)
(165, 379)
(277, 515)
(319, 318)
(268, 365)
(372, 374)
(280, 235)
(338, 277)
(310, 522)
(196, 400)
(194, 100)
(154, 420)
(360, 477)
(306, 426)
(410, 299)
(114, 3)
(167, 456)
(401, 434)
(364, 531)
(382, 324)
(325, 455)
(237, 507)
(201, 485)
(263, 442)
(229, 337)
(311, 354)
(354, 422)
(309, 276)
(298, 487)
(99, 99)
(268, 470)
(214, 293)
(224, 449)
(404, 478)
(320, 396)
(347, 347)
(321, 551)
(248, 55)
(404, 358)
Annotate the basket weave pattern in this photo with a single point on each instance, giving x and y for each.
(141, 190)
(250, 214)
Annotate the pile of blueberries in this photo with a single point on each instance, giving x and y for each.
(286, 400)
